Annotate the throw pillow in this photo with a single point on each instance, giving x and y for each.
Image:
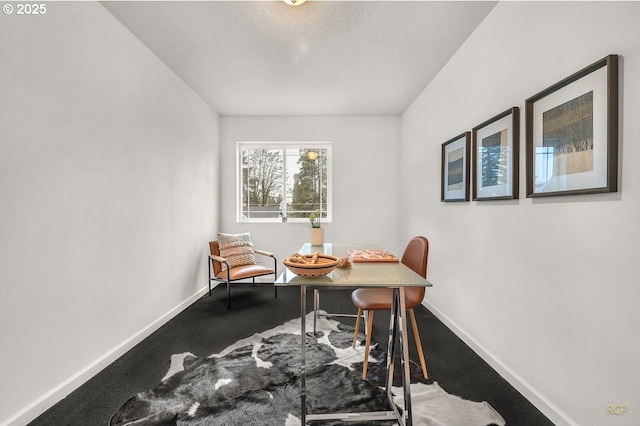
(237, 249)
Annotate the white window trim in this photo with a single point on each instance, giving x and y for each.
(240, 145)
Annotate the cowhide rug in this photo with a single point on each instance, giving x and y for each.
(255, 382)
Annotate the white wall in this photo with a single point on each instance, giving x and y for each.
(108, 194)
(546, 289)
(365, 178)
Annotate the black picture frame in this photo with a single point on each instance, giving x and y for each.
(572, 134)
(455, 168)
(496, 152)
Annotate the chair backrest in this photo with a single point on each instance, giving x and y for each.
(215, 250)
(416, 254)
(415, 257)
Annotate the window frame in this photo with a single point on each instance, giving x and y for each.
(283, 146)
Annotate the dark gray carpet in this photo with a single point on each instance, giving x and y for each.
(207, 327)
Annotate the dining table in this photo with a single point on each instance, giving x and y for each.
(383, 274)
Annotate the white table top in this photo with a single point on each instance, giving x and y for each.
(373, 274)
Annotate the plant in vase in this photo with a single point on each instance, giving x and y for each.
(317, 233)
(314, 218)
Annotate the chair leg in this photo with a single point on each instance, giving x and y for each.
(275, 276)
(209, 270)
(228, 295)
(366, 350)
(414, 325)
(275, 288)
(355, 334)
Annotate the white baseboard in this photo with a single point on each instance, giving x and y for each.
(549, 409)
(49, 399)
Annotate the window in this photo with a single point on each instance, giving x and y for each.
(283, 181)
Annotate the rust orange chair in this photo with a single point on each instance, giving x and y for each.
(370, 300)
(236, 273)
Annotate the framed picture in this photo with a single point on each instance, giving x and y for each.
(455, 168)
(495, 157)
(572, 133)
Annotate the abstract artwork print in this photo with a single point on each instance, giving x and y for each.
(568, 133)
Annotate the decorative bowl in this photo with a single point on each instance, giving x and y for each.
(323, 266)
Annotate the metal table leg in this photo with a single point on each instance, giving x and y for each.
(303, 355)
(406, 376)
(397, 331)
(316, 306)
(391, 352)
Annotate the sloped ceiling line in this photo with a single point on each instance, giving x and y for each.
(319, 58)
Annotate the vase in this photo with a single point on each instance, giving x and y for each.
(317, 236)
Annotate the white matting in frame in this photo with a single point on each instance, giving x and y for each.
(572, 134)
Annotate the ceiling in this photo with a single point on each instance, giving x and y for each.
(318, 58)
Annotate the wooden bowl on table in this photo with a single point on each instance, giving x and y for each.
(323, 265)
